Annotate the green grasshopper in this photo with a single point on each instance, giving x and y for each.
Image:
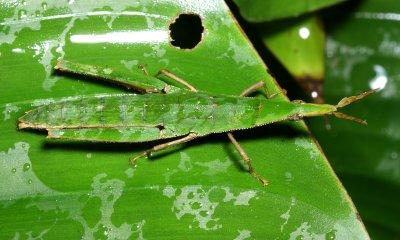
(165, 112)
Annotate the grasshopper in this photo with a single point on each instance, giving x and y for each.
(165, 111)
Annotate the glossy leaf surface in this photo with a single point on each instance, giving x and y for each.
(70, 190)
(363, 53)
(262, 10)
(299, 44)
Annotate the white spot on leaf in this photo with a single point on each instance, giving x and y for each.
(288, 176)
(215, 167)
(17, 172)
(285, 216)
(243, 234)
(107, 71)
(240, 55)
(169, 191)
(194, 200)
(185, 164)
(9, 108)
(130, 64)
(390, 165)
(307, 144)
(130, 172)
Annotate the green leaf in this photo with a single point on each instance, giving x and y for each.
(262, 10)
(76, 190)
(299, 44)
(363, 53)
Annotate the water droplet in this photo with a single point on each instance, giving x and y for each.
(196, 205)
(26, 167)
(299, 238)
(37, 13)
(14, 170)
(190, 195)
(203, 213)
(330, 235)
(30, 181)
(21, 14)
(44, 6)
(103, 229)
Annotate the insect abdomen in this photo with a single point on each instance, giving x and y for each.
(174, 114)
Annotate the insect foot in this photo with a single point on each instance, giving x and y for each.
(133, 160)
(263, 181)
(257, 176)
(349, 100)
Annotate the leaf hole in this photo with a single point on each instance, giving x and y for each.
(186, 31)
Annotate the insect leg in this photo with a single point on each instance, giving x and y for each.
(259, 86)
(245, 157)
(144, 69)
(160, 147)
(253, 88)
(136, 81)
(269, 96)
(247, 160)
(177, 79)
